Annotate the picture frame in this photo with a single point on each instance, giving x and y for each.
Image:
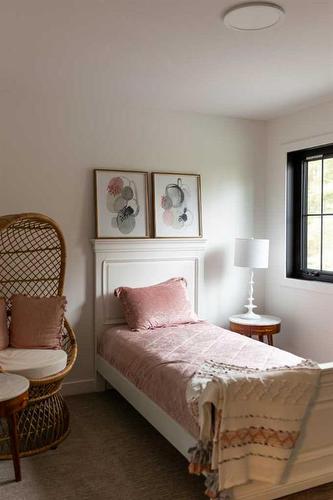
(121, 203)
(176, 205)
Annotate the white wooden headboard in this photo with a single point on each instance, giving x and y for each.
(135, 263)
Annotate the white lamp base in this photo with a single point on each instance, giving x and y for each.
(249, 315)
(250, 306)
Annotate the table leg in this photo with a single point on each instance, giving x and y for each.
(261, 338)
(14, 442)
(270, 339)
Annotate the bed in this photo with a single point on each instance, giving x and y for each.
(145, 262)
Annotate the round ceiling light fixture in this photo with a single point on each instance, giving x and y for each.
(252, 16)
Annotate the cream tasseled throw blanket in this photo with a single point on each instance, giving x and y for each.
(250, 421)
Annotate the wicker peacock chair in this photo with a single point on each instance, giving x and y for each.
(32, 262)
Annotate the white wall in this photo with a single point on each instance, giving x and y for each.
(49, 147)
(306, 308)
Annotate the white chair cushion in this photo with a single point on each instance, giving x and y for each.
(33, 363)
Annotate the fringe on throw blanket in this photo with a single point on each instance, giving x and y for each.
(200, 463)
(200, 458)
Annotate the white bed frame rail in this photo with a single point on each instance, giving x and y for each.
(144, 262)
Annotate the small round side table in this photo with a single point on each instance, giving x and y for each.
(265, 326)
(13, 398)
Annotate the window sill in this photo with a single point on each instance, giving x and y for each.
(310, 286)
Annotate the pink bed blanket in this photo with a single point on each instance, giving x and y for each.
(161, 362)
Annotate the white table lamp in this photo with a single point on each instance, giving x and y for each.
(251, 253)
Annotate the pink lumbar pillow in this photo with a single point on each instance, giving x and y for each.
(37, 322)
(3, 325)
(159, 305)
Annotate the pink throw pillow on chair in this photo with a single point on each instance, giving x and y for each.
(37, 322)
(4, 340)
(158, 305)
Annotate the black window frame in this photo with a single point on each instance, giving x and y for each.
(296, 215)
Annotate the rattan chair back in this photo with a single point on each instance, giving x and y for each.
(32, 256)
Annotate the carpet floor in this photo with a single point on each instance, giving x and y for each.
(112, 453)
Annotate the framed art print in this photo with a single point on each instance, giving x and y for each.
(121, 204)
(177, 205)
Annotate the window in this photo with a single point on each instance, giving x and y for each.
(310, 214)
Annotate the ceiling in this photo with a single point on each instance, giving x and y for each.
(167, 54)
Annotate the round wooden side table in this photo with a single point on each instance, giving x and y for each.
(265, 326)
(13, 398)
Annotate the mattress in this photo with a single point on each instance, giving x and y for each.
(160, 362)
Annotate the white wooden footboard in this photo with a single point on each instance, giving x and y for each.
(314, 461)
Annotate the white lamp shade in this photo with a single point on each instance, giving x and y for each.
(251, 253)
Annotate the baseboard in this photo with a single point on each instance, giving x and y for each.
(79, 387)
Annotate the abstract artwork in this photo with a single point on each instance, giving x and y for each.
(177, 205)
(121, 204)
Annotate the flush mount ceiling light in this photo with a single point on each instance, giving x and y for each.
(252, 16)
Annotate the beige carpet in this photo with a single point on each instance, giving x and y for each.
(111, 454)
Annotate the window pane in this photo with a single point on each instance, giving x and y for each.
(328, 243)
(328, 185)
(314, 242)
(314, 187)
